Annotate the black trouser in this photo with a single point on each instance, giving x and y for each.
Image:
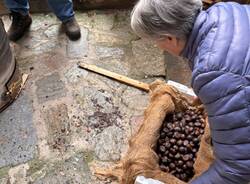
(7, 61)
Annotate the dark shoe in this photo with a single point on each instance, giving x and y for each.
(72, 29)
(12, 90)
(20, 24)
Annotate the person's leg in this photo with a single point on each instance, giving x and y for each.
(21, 19)
(63, 9)
(19, 6)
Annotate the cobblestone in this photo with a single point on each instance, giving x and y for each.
(109, 143)
(72, 170)
(17, 133)
(50, 88)
(57, 121)
(79, 48)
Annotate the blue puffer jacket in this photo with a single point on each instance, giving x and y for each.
(219, 53)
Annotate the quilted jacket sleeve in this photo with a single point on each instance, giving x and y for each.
(226, 98)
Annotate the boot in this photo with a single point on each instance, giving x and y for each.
(10, 77)
(20, 24)
(72, 29)
(11, 90)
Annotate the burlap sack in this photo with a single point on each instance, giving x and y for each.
(141, 158)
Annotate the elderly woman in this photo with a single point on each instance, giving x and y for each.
(217, 44)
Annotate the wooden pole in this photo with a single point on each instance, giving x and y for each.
(115, 76)
(207, 1)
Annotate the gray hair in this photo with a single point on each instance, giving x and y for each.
(159, 18)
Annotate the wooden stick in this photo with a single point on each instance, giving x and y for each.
(207, 1)
(118, 77)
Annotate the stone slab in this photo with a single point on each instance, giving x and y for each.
(177, 69)
(109, 144)
(75, 74)
(50, 87)
(57, 121)
(109, 52)
(147, 60)
(79, 48)
(17, 133)
(74, 170)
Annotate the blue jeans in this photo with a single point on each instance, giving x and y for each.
(63, 9)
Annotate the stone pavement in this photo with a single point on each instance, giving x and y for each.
(68, 120)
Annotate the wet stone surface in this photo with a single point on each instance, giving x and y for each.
(109, 52)
(178, 69)
(75, 74)
(68, 119)
(109, 143)
(50, 88)
(148, 61)
(101, 109)
(79, 48)
(17, 133)
(3, 181)
(72, 170)
(57, 121)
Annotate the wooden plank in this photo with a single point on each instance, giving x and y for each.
(24, 79)
(115, 76)
(208, 1)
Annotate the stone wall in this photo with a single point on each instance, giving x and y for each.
(38, 7)
(177, 69)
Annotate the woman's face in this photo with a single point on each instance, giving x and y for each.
(171, 44)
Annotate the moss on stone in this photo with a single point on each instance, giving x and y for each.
(88, 156)
(4, 172)
(36, 165)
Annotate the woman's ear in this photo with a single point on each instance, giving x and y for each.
(169, 38)
(172, 40)
(171, 44)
